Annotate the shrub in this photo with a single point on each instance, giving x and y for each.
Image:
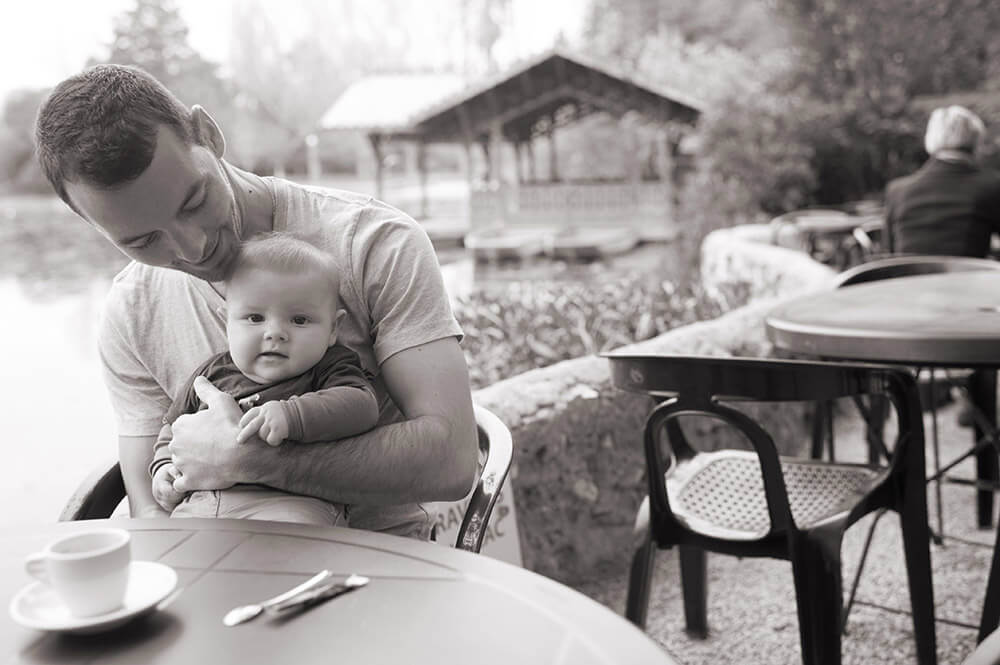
(524, 325)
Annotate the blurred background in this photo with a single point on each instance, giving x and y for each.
(803, 103)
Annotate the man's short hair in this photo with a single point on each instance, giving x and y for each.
(100, 126)
(284, 252)
(953, 128)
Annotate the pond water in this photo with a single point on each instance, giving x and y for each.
(54, 272)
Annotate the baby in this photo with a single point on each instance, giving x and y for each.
(285, 370)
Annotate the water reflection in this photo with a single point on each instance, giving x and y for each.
(57, 420)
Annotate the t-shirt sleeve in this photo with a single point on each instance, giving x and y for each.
(399, 278)
(138, 401)
(328, 412)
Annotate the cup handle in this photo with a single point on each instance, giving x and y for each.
(35, 566)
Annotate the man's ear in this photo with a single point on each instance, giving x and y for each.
(206, 131)
(336, 326)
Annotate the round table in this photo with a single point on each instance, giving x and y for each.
(945, 319)
(939, 320)
(426, 603)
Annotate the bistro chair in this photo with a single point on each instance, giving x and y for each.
(757, 503)
(99, 494)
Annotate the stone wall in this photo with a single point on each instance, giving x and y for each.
(578, 473)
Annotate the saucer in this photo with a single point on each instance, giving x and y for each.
(37, 606)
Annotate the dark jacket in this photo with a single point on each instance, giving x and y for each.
(948, 208)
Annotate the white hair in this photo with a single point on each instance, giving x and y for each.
(953, 128)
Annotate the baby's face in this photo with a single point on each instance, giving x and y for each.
(279, 325)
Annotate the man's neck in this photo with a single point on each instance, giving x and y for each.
(254, 202)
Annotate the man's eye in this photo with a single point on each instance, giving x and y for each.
(255, 318)
(146, 241)
(196, 203)
(300, 320)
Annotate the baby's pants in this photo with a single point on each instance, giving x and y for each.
(258, 502)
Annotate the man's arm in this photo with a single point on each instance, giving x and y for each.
(431, 456)
(134, 455)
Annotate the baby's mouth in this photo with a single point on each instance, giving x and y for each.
(271, 354)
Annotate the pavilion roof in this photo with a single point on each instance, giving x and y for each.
(388, 103)
(555, 86)
(538, 87)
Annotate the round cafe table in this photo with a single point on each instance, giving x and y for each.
(949, 319)
(426, 603)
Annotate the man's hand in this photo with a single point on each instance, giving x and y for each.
(268, 421)
(163, 487)
(204, 447)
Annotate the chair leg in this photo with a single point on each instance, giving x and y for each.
(861, 568)
(816, 569)
(983, 394)
(639, 580)
(916, 546)
(822, 429)
(695, 587)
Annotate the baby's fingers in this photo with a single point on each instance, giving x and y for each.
(249, 428)
(249, 415)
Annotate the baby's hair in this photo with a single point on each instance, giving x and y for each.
(287, 253)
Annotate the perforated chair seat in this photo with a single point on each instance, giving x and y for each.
(752, 501)
(721, 493)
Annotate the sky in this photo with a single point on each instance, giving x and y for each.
(44, 41)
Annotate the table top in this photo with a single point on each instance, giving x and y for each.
(943, 319)
(426, 603)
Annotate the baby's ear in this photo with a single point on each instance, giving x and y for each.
(336, 325)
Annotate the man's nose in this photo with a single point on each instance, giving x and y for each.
(190, 243)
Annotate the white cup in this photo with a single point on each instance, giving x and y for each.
(88, 571)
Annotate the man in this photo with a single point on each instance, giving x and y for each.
(951, 206)
(148, 173)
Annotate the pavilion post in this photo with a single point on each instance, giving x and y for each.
(376, 143)
(422, 174)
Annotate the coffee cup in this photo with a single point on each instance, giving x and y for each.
(88, 571)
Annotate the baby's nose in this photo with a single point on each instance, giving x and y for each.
(275, 333)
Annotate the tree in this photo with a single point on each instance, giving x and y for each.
(883, 53)
(154, 36)
(17, 160)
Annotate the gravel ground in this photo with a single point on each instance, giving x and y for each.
(756, 622)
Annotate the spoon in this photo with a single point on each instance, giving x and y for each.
(238, 615)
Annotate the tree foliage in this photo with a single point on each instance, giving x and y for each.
(154, 36)
(833, 104)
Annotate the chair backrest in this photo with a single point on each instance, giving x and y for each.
(496, 446)
(713, 387)
(99, 494)
(908, 265)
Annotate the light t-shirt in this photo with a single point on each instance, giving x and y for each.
(160, 324)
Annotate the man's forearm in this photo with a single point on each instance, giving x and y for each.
(407, 462)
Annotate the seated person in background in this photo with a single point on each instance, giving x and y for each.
(951, 205)
(285, 369)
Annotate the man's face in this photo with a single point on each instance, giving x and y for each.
(179, 213)
(279, 324)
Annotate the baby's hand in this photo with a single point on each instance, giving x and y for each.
(163, 487)
(266, 421)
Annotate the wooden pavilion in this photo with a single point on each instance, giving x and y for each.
(518, 108)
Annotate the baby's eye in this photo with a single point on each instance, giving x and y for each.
(255, 318)
(300, 320)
